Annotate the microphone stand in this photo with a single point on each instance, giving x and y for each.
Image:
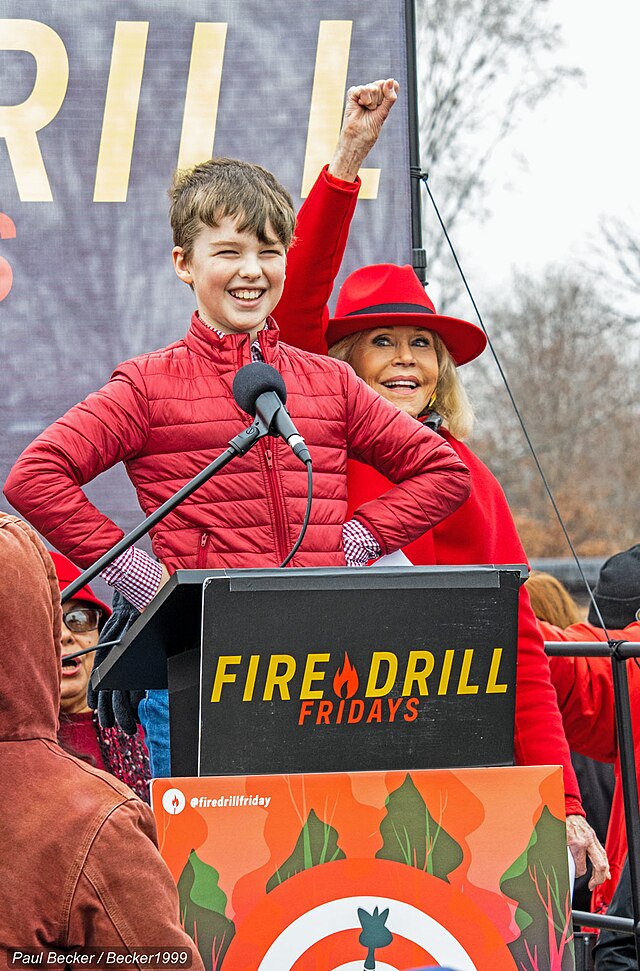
(237, 446)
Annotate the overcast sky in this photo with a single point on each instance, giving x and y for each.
(581, 148)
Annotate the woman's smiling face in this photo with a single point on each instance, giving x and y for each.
(400, 363)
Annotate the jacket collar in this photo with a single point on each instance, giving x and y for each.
(232, 350)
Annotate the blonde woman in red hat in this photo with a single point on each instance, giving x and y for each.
(111, 749)
(388, 329)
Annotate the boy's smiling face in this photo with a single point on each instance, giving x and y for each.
(237, 279)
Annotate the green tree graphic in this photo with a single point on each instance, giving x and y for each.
(538, 882)
(202, 911)
(411, 835)
(316, 844)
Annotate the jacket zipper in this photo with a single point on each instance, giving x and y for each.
(277, 504)
(202, 552)
(273, 479)
(241, 346)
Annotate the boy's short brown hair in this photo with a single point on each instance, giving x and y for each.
(220, 187)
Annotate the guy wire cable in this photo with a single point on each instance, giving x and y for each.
(424, 177)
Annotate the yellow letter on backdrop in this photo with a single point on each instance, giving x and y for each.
(203, 94)
(121, 111)
(19, 123)
(327, 102)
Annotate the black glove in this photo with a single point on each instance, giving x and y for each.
(119, 707)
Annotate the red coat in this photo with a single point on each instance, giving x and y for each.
(585, 694)
(167, 414)
(481, 531)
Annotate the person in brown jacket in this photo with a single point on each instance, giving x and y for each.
(80, 864)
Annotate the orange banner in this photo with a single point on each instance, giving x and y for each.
(387, 871)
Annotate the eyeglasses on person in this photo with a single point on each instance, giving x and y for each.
(80, 620)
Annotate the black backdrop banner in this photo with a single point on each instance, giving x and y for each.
(98, 104)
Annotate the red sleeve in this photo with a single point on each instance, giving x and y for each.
(45, 484)
(430, 480)
(314, 260)
(540, 737)
(584, 686)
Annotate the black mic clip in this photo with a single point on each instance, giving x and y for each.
(249, 436)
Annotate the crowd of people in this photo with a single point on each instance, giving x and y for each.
(376, 392)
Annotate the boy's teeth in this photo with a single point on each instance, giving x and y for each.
(246, 294)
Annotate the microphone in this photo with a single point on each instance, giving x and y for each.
(260, 391)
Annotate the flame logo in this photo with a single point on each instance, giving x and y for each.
(173, 801)
(345, 680)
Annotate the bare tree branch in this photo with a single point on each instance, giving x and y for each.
(570, 362)
(482, 65)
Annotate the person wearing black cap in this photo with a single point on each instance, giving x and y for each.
(585, 691)
(617, 592)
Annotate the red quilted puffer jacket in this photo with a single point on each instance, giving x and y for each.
(167, 414)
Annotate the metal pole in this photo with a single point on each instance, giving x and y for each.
(618, 925)
(619, 652)
(629, 778)
(419, 256)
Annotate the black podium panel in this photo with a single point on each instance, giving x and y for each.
(329, 669)
(347, 670)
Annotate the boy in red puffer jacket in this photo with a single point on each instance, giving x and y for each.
(167, 413)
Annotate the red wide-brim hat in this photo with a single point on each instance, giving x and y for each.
(67, 572)
(386, 295)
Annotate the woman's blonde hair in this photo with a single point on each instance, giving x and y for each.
(551, 601)
(451, 401)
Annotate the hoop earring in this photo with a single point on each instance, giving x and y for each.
(432, 400)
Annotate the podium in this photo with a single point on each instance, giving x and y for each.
(329, 670)
(343, 792)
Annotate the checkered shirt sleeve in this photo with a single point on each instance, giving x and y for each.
(135, 575)
(358, 544)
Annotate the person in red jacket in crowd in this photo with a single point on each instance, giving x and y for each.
(166, 414)
(585, 691)
(552, 603)
(111, 749)
(388, 328)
